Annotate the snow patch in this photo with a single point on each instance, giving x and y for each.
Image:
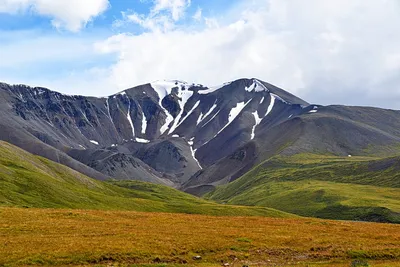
(94, 142)
(314, 110)
(183, 98)
(258, 120)
(143, 141)
(232, 116)
(194, 155)
(234, 113)
(201, 118)
(128, 116)
(215, 115)
(164, 88)
(84, 115)
(252, 87)
(213, 89)
(144, 123)
(271, 104)
(256, 86)
(39, 91)
(109, 113)
(190, 112)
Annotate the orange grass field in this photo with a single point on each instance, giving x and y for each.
(119, 238)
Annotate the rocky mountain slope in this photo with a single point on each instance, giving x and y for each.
(332, 130)
(187, 135)
(162, 132)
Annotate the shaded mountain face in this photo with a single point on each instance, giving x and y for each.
(162, 132)
(184, 135)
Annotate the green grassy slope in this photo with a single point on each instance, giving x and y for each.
(31, 181)
(321, 186)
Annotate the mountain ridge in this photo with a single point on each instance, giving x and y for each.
(134, 117)
(186, 135)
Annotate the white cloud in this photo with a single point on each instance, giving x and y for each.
(198, 15)
(66, 63)
(332, 51)
(210, 56)
(153, 23)
(31, 49)
(162, 17)
(175, 7)
(13, 6)
(72, 15)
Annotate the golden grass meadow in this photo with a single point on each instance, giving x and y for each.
(30, 237)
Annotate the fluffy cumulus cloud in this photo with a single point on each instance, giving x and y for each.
(331, 51)
(65, 14)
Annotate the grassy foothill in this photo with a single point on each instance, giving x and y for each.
(330, 187)
(31, 181)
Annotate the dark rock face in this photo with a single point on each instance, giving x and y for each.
(184, 135)
(118, 165)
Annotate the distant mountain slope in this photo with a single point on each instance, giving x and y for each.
(321, 186)
(330, 130)
(31, 181)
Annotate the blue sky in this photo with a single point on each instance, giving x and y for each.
(31, 20)
(71, 52)
(325, 51)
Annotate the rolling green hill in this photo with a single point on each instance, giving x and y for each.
(356, 188)
(31, 181)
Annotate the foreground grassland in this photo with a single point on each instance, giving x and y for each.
(357, 188)
(84, 237)
(30, 181)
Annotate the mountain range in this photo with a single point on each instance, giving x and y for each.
(209, 140)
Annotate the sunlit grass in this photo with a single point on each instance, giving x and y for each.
(31, 181)
(86, 237)
(324, 186)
